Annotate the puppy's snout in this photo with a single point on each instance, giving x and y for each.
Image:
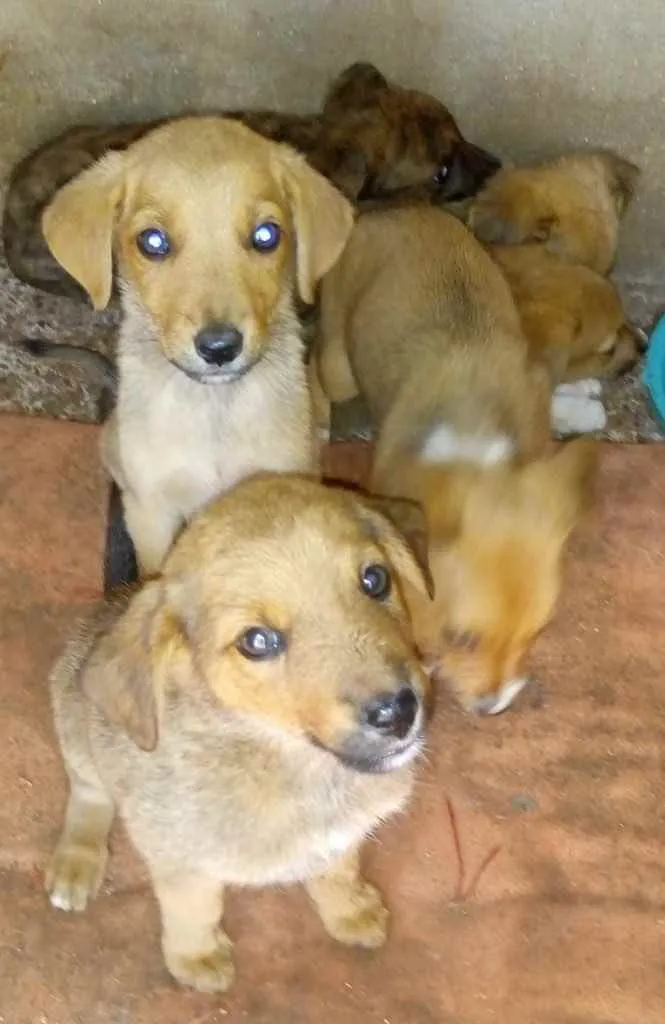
(481, 164)
(218, 344)
(392, 714)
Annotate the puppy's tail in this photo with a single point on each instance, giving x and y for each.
(99, 365)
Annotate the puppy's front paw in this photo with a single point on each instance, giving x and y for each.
(207, 972)
(363, 921)
(576, 414)
(74, 876)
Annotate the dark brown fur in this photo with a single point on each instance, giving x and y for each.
(373, 140)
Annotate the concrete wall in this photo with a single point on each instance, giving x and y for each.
(527, 77)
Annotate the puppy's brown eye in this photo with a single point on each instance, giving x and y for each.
(261, 642)
(154, 243)
(376, 582)
(461, 639)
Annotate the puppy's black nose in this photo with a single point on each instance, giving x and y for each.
(218, 344)
(392, 714)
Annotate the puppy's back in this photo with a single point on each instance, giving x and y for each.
(412, 285)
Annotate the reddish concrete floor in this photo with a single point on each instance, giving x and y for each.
(552, 912)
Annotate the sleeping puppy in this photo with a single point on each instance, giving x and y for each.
(572, 206)
(253, 715)
(573, 317)
(373, 139)
(553, 228)
(214, 231)
(418, 318)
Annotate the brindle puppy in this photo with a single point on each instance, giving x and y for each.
(373, 139)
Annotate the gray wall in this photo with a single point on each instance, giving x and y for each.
(527, 77)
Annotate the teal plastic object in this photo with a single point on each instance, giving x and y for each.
(653, 375)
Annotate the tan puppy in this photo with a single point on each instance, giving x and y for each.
(572, 317)
(253, 715)
(419, 319)
(213, 228)
(374, 139)
(573, 206)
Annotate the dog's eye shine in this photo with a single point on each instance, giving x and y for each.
(461, 639)
(154, 243)
(261, 642)
(266, 236)
(376, 582)
(441, 175)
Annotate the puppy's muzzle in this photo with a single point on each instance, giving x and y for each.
(218, 344)
(479, 164)
(388, 734)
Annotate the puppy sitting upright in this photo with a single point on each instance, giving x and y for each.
(213, 228)
(253, 715)
(419, 319)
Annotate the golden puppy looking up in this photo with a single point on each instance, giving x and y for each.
(253, 714)
(213, 229)
(418, 318)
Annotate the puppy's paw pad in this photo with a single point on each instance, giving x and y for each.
(211, 972)
(74, 876)
(366, 924)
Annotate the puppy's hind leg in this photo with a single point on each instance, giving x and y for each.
(196, 949)
(351, 909)
(78, 864)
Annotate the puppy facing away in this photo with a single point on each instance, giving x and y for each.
(418, 318)
(253, 714)
(572, 317)
(213, 230)
(373, 139)
(572, 206)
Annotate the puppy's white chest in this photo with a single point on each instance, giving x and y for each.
(190, 442)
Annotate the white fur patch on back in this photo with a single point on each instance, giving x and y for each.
(443, 444)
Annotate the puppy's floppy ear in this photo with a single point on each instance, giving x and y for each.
(401, 524)
(346, 166)
(323, 220)
(78, 226)
(624, 176)
(354, 88)
(492, 225)
(122, 674)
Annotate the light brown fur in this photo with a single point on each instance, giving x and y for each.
(572, 317)
(232, 771)
(572, 206)
(418, 318)
(174, 443)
